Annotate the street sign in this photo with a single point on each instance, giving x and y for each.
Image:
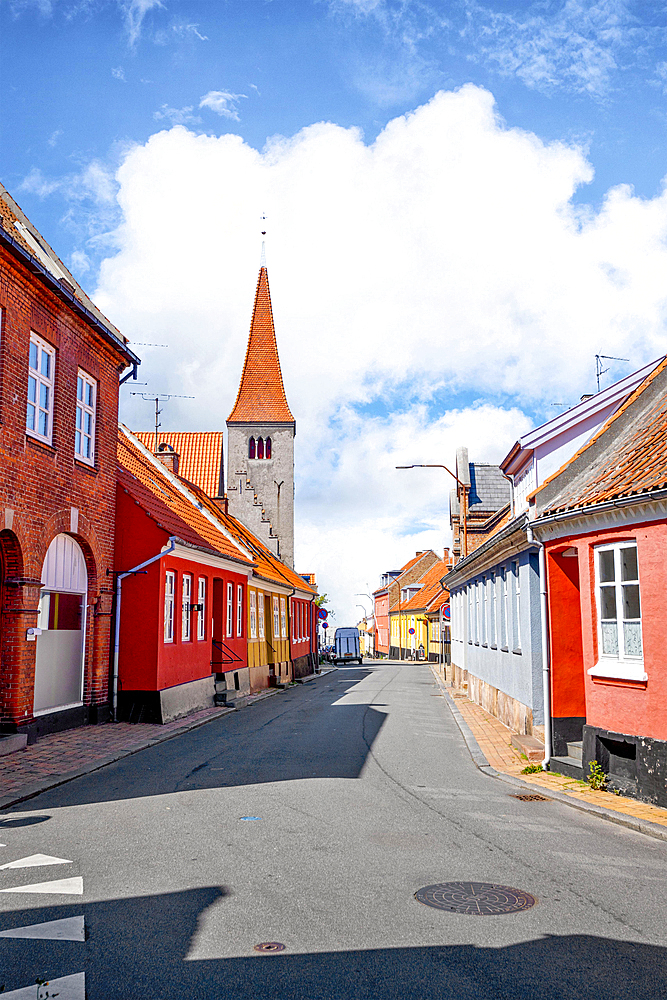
(324, 625)
(411, 631)
(322, 613)
(444, 611)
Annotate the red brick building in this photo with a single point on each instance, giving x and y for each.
(60, 361)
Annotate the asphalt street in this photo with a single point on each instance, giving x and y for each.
(311, 819)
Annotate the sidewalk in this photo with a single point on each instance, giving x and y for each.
(492, 751)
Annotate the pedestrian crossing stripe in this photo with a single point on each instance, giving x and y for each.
(71, 886)
(34, 861)
(66, 988)
(66, 929)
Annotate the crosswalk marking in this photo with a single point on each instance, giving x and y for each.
(66, 929)
(66, 987)
(73, 886)
(34, 861)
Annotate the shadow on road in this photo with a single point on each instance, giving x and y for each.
(137, 950)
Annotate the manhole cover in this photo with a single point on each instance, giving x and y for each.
(482, 899)
(531, 798)
(270, 946)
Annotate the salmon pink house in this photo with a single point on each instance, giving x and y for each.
(602, 521)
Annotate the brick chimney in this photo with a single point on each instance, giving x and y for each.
(168, 456)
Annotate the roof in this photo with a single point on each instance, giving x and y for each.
(26, 243)
(489, 490)
(627, 456)
(169, 502)
(261, 397)
(200, 456)
(430, 589)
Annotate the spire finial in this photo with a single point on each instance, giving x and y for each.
(262, 260)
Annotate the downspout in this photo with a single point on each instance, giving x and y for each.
(116, 642)
(544, 623)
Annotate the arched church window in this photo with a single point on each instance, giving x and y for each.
(268, 447)
(260, 447)
(251, 448)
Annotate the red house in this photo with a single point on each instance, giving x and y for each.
(603, 522)
(60, 361)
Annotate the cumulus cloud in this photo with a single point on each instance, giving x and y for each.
(429, 290)
(222, 102)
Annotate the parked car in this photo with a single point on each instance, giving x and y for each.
(347, 649)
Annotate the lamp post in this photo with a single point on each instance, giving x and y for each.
(437, 465)
(373, 613)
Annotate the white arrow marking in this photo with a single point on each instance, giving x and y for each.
(74, 886)
(34, 861)
(67, 988)
(67, 929)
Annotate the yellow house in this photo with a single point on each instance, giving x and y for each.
(410, 635)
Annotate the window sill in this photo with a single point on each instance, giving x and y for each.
(85, 466)
(40, 442)
(625, 670)
(517, 651)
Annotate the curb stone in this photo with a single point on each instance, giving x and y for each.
(480, 761)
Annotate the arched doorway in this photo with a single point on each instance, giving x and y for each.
(62, 619)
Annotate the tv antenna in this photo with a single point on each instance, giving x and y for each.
(599, 367)
(160, 397)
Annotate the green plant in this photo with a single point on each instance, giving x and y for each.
(532, 769)
(597, 779)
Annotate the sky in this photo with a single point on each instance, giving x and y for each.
(464, 203)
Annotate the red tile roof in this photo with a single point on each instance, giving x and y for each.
(635, 460)
(261, 396)
(200, 456)
(431, 591)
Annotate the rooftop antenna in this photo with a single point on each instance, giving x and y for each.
(600, 369)
(262, 260)
(160, 397)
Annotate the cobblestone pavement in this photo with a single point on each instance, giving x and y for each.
(495, 742)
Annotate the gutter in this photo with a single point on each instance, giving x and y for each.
(116, 642)
(627, 501)
(546, 667)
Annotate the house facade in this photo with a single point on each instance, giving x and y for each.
(60, 361)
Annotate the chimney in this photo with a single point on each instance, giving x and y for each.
(222, 503)
(165, 453)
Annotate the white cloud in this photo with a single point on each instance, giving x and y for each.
(53, 138)
(79, 263)
(118, 73)
(222, 102)
(134, 12)
(177, 116)
(445, 257)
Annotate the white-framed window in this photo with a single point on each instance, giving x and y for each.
(477, 611)
(230, 608)
(186, 610)
(516, 604)
(503, 608)
(169, 588)
(41, 376)
(253, 614)
(276, 619)
(239, 610)
(86, 401)
(201, 611)
(469, 599)
(493, 609)
(260, 613)
(484, 586)
(620, 649)
(283, 617)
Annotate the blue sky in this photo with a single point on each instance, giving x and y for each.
(483, 213)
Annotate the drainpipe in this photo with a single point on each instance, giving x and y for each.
(116, 643)
(544, 622)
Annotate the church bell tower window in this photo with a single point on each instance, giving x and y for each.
(268, 447)
(251, 448)
(260, 447)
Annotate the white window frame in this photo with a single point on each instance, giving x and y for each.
(283, 617)
(260, 614)
(470, 615)
(83, 410)
(230, 609)
(41, 381)
(169, 593)
(504, 621)
(276, 618)
(484, 585)
(186, 612)
(239, 610)
(493, 612)
(201, 610)
(253, 614)
(621, 665)
(516, 606)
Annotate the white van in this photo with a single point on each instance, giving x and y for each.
(346, 646)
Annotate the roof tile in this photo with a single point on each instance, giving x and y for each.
(200, 456)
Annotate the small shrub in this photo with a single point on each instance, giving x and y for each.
(532, 769)
(597, 779)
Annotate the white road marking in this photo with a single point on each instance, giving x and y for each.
(34, 861)
(73, 886)
(67, 988)
(67, 929)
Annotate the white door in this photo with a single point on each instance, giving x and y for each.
(62, 618)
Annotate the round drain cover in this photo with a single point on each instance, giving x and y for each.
(482, 899)
(270, 946)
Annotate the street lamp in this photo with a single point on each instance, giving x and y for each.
(437, 465)
(372, 612)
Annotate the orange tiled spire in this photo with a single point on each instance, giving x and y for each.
(261, 397)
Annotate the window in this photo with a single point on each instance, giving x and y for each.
(186, 610)
(84, 438)
(169, 585)
(620, 652)
(469, 599)
(260, 609)
(253, 614)
(276, 619)
(516, 605)
(41, 364)
(283, 618)
(268, 447)
(477, 611)
(493, 610)
(260, 447)
(239, 610)
(230, 608)
(251, 448)
(201, 610)
(503, 608)
(484, 586)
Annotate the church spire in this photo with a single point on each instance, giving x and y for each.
(261, 396)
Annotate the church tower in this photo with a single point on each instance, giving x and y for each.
(261, 430)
